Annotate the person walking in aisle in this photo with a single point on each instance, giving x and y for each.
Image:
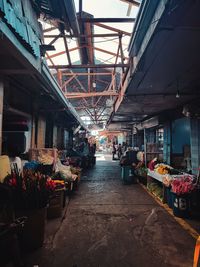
(119, 151)
(114, 151)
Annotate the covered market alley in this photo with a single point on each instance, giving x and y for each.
(99, 133)
(108, 224)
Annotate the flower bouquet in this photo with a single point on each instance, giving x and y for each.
(181, 198)
(31, 194)
(32, 190)
(183, 185)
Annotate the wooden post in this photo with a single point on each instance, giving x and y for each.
(33, 132)
(1, 112)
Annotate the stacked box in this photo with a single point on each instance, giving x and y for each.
(34, 153)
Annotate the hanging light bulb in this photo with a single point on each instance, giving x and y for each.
(94, 84)
(177, 94)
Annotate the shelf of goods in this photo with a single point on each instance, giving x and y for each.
(159, 177)
(153, 150)
(177, 190)
(46, 154)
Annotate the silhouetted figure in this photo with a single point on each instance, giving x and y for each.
(114, 150)
(119, 151)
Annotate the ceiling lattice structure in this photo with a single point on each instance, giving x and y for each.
(91, 62)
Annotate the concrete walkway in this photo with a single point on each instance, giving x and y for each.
(108, 224)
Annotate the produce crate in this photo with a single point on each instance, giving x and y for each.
(181, 205)
(34, 153)
(56, 204)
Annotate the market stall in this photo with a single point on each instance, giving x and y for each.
(173, 187)
(38, 191)
(52, 162)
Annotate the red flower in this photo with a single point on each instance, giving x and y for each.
(50, 185)
(183, 185)
(13, 182)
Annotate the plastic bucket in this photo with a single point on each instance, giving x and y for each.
(181, 205)
(127, 175)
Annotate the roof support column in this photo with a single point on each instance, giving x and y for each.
(121, 51)
(1, 111)
(67, 50)
(80, 6)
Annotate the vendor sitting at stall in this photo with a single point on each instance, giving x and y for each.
(85, 150)
(129, 158)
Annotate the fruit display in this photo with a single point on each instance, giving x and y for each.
(162, 168)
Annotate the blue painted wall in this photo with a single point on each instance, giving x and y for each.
(180, 135)
(195, 144)
(167, 143)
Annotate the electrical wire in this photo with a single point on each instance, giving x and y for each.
(101, 41)
(97, 42)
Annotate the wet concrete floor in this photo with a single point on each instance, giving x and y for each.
(108, 224)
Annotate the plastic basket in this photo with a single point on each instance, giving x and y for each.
(181, 205)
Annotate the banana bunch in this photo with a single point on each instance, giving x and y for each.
(45, 159)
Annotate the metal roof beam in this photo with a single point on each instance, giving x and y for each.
(109, 52)
(67, 50)
(112, 29)
(109, 20)
(84, 35)
(50, 29)
(63, 52)
(91, 94)
(132, 2)
(54, 39)
(100, 66)
(86, 73)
